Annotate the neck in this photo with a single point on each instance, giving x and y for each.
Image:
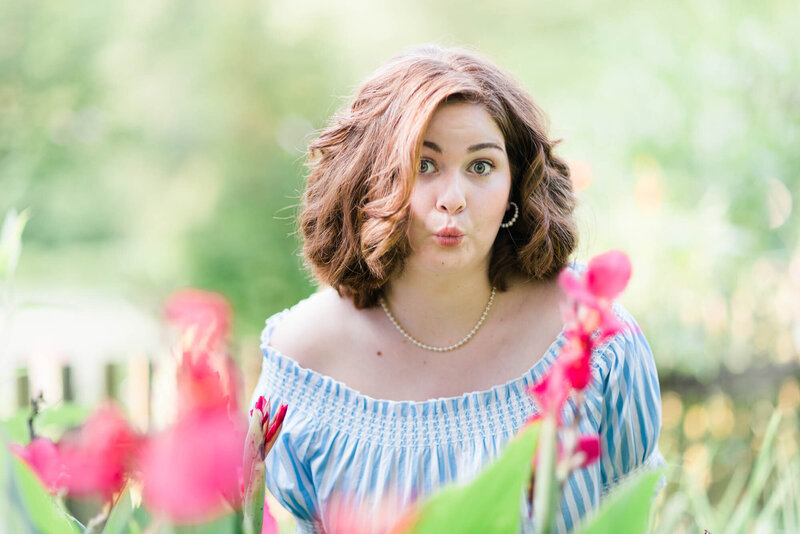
(435, 308)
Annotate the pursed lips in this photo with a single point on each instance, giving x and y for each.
(450, 232)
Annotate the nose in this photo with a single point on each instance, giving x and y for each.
(451, 198)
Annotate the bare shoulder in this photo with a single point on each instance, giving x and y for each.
(536, 296)
(310, 328)
(533, 312)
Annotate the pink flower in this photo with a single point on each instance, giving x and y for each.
(589, 448)
(608, 274)
(575, 289)
(98, 457)
(591, 313)
(590, 321)
(191, 470)
(345, 515)
(205, 313)
(586, 452)
(200, 384)
(592, 293)
(42, 457)
(589, 318)
(91, 461)
(551, 390)
(575, 358)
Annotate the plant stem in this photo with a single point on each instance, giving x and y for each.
(546, 492)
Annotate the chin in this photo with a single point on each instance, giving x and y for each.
(447, 261)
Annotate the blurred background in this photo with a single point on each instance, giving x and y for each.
(156, 145)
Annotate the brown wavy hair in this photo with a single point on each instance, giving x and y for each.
(354, 213)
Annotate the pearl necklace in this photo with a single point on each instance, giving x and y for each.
(431, 347)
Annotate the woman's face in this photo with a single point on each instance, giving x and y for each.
(461, 191)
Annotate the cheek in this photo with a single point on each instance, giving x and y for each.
(417, 208)
(498, 200)
(416, 221)
(419, 198)
(415, 218)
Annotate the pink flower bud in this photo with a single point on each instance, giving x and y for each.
(276, 425)
(262, 406)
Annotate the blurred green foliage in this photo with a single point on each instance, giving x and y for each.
(160, 144)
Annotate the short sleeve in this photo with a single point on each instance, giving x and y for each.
(288, 476)
(289, 480)
(631, 414)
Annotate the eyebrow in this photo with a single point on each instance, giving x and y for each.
(474, 148)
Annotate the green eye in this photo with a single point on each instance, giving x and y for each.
(482, 167)
(425, 166)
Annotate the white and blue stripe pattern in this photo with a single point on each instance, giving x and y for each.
(337, 441)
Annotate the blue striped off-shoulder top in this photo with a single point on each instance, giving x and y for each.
(381, 455)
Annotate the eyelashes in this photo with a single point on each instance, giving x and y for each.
(488, 165)
(481, 167)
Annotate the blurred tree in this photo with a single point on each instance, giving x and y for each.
(161, 144)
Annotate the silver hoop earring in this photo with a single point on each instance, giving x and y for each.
(513, 219)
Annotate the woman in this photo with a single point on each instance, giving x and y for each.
(439, 218)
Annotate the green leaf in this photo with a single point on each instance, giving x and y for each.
(628, 509)
(57, 419)
(491, 503)
(671, 513)
(141, 519)
(11, 241)
(51, 422)
(733, 491)
(16, 428)
(758, 479)
(119, 519)
(30, 503)
(40, 507)
(12, 516)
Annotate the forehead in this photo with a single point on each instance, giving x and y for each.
(462, 123)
